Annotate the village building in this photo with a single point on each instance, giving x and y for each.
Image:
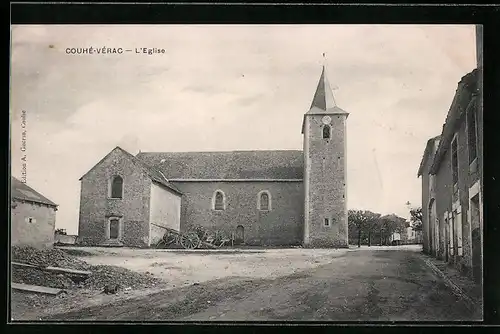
(452, 181)
(413, 236)
(61, 237)
(33, 217)
(274, 198)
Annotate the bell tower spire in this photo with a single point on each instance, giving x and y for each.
(323, 97)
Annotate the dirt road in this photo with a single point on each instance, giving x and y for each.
(366, 284)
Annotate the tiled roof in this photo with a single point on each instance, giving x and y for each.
(285, 164)
(153, 173)
(21, 191)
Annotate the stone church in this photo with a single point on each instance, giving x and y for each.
(266, 198)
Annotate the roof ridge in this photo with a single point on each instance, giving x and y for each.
(233, 151)
(275, 164)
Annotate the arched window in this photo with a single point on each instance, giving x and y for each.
(117, 187)
(326, 131)
(219, 200)
(264, 201)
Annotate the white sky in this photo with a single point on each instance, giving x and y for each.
(232, 88)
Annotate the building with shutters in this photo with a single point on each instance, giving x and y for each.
(452, 179)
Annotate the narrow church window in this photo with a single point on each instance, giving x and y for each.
(117, 187)
(219, 201)
(264, 203)
(327, 222)
(326, 132)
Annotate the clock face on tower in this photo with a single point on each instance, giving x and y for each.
(326, 120)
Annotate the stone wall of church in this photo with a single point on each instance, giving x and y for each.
(96, 207)
(282, 225)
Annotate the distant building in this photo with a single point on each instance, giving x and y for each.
(412, 236)
(395, 238)
(33, 216)
(452, 181)
(62, 238)
(260, 197)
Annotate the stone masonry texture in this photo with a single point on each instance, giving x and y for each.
(326, 176)
(133, 208)
(282, 225)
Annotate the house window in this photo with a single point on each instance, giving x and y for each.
(114, 228)
(472, 133)
(264, 201)
(326, 131)
(219, 200)
(454, 162)
(327, 222)
(117, 187)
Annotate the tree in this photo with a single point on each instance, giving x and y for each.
(372, 224)
(383, 225)
(416, 218)
(362, 220)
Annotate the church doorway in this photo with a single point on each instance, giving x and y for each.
(114, 225)
(239, 238)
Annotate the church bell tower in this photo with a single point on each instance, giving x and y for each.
(325, 174)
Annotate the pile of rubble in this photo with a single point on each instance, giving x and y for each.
(46, 257)
(34, 276)
(101, 276)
